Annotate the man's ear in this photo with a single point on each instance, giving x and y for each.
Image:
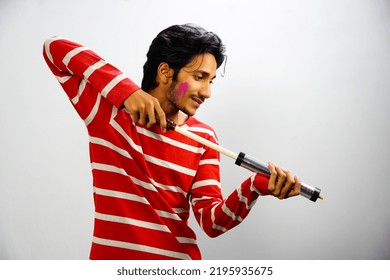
(164, 73)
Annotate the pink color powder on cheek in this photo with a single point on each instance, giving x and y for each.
(183, 87)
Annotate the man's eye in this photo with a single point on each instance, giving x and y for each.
(198, 78)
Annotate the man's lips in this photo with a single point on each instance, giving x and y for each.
(197, 100)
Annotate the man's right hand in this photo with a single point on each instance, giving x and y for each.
(145, 109)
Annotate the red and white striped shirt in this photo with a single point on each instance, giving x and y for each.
(144, 180)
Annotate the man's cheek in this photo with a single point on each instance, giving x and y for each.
(181, 90)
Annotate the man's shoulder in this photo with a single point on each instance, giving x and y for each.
(201, 128)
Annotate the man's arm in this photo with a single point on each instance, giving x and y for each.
(84, 75)
(217, 215)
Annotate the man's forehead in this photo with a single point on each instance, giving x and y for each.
(204, 64)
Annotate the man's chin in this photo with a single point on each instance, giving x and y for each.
(189, 113)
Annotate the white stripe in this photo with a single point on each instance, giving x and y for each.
(80, 91)
(202, 130)
(63, 79)
(112, 84)
(162, 138)
(186, 240)
(168, 188)
(165, 214)
(243, 199)
(201, 218)
(94, 110)
(255, 190)
(72, 53)
(105, 143)
(130, 221)
(111, 168)
(228, 212)
(107, 167)
(223, 229)
(209, 161)
(143, 184)
(215, 226)
(93, 68)
(47, 47)
(136, 198)
(83, 82)
(195, 200)
(142, 248)
(120, 130)
(204, 183)
(252, 188)
(170, 165)
(122, 195)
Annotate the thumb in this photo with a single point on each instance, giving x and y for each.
(272, 178)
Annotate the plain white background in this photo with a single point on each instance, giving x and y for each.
(306, 85)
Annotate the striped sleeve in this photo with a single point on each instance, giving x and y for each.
(215, 214)
(85, 76)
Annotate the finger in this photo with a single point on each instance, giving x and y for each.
(142, 115)
(272, 178)
(288, 185)
(134, 116)
(296, 188)
(161, 117)
(151, 117)
(280, 181)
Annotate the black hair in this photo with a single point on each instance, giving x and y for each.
(177, 45)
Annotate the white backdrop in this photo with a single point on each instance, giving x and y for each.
(306, 86)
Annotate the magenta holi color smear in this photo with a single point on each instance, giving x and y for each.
(182, 89)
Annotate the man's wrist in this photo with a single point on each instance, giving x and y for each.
(260, 183)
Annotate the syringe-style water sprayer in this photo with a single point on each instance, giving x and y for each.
(242, 159)
(254, 165)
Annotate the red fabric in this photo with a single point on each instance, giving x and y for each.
(144, 180)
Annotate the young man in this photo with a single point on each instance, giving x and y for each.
(144, 177)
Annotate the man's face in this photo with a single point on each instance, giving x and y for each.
(192, 86)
